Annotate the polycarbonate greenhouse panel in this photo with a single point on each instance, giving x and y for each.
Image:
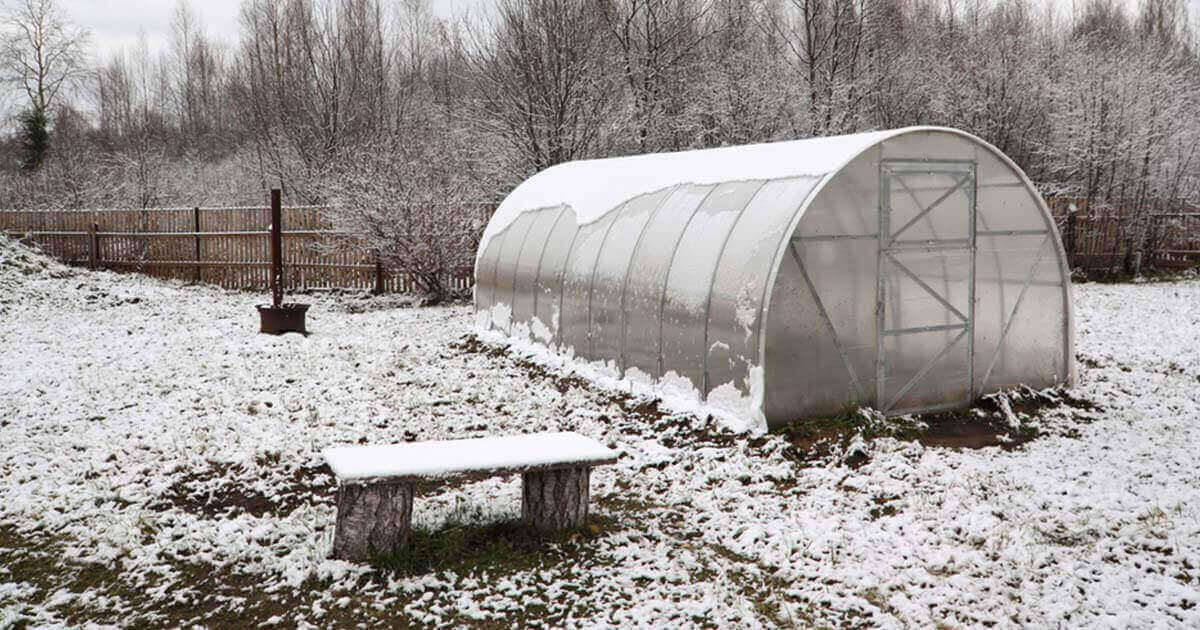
(1008, 208)
(547, 305)
(525, 282)
(847, 204)
(1032, 298)
(506, 273)
(735, 307)
(1004, 265)
(685, 303)
(928, 146)
(485, 280)
(648, 269)
(803, 367)
(909, 270)
(612, 271)
(574, 323)
(839, 293)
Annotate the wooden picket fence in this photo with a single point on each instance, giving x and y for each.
(229, 246)
(223, 246)
(1101, 236)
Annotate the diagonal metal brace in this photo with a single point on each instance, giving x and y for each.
(925, 370)
(928, 289)
(935, 204)
(828, 322)
(1013, 315)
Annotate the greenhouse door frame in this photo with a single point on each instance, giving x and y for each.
(961, 175)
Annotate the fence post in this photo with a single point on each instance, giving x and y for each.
(1072, 226)
(196, 227)
(276, 247)
(93, 246)
(378, 276)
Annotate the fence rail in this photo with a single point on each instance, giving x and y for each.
(224, 246)
(229, 246)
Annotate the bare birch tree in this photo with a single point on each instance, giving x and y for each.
(43, 56)
(41, 53)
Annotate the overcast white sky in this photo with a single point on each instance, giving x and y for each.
(117, 24)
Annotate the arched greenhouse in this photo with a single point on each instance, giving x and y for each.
(908, 270)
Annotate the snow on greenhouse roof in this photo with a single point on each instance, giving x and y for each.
(593, 187)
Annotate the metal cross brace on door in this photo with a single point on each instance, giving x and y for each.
(896, 175)
(935, 247)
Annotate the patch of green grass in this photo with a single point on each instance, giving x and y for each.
(502, 547)
(819, 437)
(223, 597)
(852, 420)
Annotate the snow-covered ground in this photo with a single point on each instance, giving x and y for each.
(160, 465)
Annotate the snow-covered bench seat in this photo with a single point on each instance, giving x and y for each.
(376, 483)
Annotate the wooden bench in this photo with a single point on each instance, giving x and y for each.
(376, 483)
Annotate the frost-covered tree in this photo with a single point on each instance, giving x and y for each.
(543, 82)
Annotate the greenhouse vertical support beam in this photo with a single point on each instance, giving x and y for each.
(828, 322)
(537, 275)
(637, 246)
(972, 210)
(712, 278)
(885, 209)
(662, 298)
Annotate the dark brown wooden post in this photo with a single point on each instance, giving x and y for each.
(555, 499)
(1072, 244)
(372, 518)
(276, 248)
(93, 246)
(378, 277)
(196, 227)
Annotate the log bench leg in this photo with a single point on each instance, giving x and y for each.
(372, 518)
(555, 499)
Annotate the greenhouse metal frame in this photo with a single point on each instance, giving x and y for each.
(909, 270)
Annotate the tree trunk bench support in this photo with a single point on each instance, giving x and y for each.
(376, 484)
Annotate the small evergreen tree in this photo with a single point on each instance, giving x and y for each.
(34, 137)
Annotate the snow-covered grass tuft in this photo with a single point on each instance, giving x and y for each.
(161, 467)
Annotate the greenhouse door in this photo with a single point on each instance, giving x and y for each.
(925, 302)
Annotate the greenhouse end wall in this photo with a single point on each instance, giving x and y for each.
(792, 295)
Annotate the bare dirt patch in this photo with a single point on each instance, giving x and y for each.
(225, 490)
(1006, 420)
